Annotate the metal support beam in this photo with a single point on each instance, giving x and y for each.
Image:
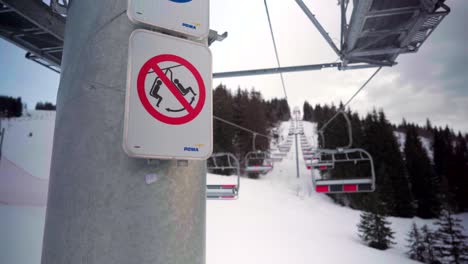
(357, 21)
(370, 61)
(40, 61)
(376, 52)
(318, 26)
(392, 12)
(311, 67)
(39, 14)
(301, 68)
(344, 23)
(34, 27)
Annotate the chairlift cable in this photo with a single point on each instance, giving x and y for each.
(350, 99)
(276, 49)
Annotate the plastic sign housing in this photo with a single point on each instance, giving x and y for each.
(189, 18)
(168, 107)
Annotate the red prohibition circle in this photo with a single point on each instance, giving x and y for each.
(152, 64)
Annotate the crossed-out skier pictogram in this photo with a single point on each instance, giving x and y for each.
(174, 85)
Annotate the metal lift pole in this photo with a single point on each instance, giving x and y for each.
(100, 210)
(297, 157)
(297, 148)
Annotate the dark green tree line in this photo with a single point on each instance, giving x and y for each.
(10, 107)
(247, 109)
(409, 180)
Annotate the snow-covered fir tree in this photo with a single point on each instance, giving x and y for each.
(373, 228)
(416, 244)
(428, 239)
(450, 242)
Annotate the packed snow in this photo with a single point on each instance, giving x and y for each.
(277, 218)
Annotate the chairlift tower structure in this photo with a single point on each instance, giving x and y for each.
(100, 209)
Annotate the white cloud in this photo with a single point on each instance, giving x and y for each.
(430, 83)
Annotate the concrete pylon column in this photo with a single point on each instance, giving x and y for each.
(100, 210)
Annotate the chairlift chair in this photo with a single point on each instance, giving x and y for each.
(308, 163)
(222, 162)
(258, 162)
(329, 159)
(276, 159)
(284, 149)
(306, 151)
(327, 184)
(277, 156)
(282, 154)
(306, 146)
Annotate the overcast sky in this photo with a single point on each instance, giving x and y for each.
(429, 84)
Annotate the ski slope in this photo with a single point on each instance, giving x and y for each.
(280, 219)
(426, 143)
(277, 218)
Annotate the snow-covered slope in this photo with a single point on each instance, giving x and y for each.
(277, 219)
(426, 143)
(280, 219)
(28, 141)
(26, 155)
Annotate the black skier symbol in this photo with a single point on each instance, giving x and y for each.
(155, 89)
(157, 86)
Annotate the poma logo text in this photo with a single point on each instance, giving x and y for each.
(193, 149)
(187, 25)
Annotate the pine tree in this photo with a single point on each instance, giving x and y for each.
(416, 244)
(373, 228)
(423, 179)
(308, 112)
(365, 226)
(18, 107)
(428, 239)
(223, 134)
(391, 175)
(460, 171)
(451, 244)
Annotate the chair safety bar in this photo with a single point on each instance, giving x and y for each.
(258, 168)
(223, 191)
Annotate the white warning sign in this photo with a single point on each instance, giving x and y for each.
(169, 107)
